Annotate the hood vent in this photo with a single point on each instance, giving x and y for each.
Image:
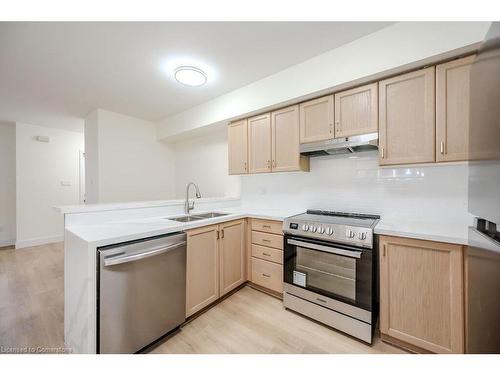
(338, 146)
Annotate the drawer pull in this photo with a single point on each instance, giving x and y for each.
(266, 226)
(321, 300)
(266, 254)
(265, 240)
(266, 275)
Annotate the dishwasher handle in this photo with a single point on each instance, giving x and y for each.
(151, 252)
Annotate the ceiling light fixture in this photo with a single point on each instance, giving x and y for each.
(190, 76)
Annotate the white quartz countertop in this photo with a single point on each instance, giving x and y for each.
(428, 230)
(127, 230)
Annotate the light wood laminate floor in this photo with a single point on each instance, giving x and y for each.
(249, 321)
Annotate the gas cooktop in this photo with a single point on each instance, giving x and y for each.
(348, 228)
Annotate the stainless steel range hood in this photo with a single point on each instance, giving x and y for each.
(336, 146)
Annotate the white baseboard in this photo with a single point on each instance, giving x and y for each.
(5, 243)
(38, 241)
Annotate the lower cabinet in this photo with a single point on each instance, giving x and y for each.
(422, 294)
(215, 263)
(266, 254)
(232, 255)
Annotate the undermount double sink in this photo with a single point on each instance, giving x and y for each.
(189, 218)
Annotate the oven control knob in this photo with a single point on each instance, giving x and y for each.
(362, 236)
(329, 231)
(321, 230)
(313, 228)
(305, 227)
(350, 234)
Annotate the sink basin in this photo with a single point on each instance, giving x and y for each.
(210, 215)
(186, 218)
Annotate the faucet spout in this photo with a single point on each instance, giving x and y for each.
(190, 206)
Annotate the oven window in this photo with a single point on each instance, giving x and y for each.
(329, 272)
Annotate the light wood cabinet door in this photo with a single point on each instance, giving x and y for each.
(237, 140)
(259, 144)
(285, 141)
(421, 293)
(316, 119)
(407, 118)
(452, 109)
(202, 268)
(232, 255)
(356, 111)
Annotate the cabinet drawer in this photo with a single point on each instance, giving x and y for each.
(267, 274)
(268, 226)
(267, 239)
(267, 253)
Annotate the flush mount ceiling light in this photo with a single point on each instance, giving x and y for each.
(190, 76)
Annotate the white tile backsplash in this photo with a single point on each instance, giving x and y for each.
(356, 183)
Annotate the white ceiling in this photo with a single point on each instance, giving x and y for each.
(54, 74)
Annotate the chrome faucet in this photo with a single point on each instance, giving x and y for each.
(189, 206)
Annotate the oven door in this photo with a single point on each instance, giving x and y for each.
(340, 272)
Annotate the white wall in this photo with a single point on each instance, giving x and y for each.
(91, 159)
(7, 184)
(40, 168)
(390, 48)
(126, 161)
(203, 160)
(422, 193)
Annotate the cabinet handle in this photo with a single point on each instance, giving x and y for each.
(266, 254)
(442, 147)
(385, 247)
(269, 164)
(337, 127)
(264, 240)
(266, 226)
(217, 234)
(383, 152)
(331, 127)
(321, 300)
(245, 166)
(266, 275)
(274, 163)
(222, 233)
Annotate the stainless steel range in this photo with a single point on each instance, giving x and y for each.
(330, 269)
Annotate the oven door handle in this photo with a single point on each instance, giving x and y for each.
(328, 249)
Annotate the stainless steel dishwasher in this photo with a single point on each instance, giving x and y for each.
(141, 292)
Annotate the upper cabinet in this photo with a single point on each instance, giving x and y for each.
(273, 142)
(406, 118)
(286, 142)
(421, 117)
(356, 111)
(237, 135)
(452, 109)
(259, 144)
(316, 119)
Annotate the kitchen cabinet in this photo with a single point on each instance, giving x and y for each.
(421, 294)
(316, 119)
(267, 274)
(452, 109)
(232, 255)
(202, 268)
(259, 144)
(285, 141)
(265, 261)
(237, 140)
(407, 118)
(356, 111)
(216, 256)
